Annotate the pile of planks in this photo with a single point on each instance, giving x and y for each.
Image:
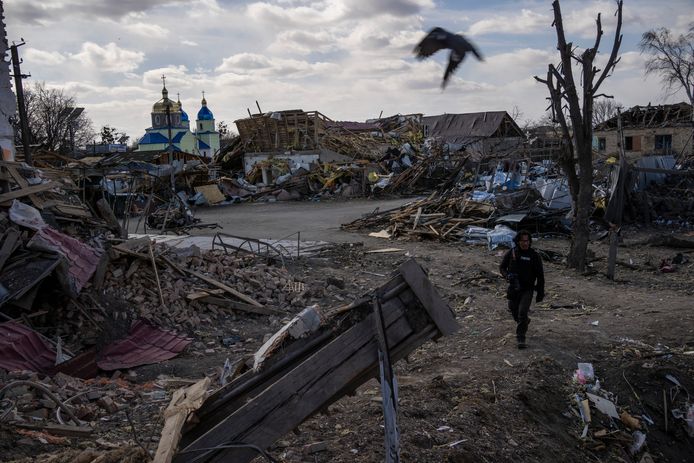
(55, 196)
(440, 216)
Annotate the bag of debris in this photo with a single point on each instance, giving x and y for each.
(476, 235)
(500, 236)
(26, 216)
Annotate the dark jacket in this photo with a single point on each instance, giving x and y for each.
(527, 265)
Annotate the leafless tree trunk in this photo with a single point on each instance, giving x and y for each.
(48, 113)
(604, 109)
(671, 58)
(577, 157)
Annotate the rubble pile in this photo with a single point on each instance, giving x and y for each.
(438, 216)
(455, 215)
(623, 421)
(190, 287)
(62, 411)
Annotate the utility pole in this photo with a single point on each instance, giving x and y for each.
(24, 123)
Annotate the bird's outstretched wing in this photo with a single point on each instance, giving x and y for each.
(438, 39)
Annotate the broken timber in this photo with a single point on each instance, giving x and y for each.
(259, 407)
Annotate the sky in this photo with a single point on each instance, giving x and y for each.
(348, 59)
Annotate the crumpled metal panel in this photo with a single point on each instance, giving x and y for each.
(83, 259)
(144, 345)
(21, 348)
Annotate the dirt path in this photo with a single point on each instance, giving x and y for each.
(317, 221)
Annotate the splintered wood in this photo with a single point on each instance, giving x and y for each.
(309, 372)
(442, 217)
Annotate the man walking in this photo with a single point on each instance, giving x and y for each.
(522, 268)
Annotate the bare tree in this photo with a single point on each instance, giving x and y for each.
(604, 109)
(671, 57)
(53, 122)
(576, 158)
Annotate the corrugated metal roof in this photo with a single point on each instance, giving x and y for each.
(21, 348)
(461, 128)
(144, 345)
(82, 258)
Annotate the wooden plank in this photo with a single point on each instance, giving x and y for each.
(226, 288)
(211, 193)
(435, 306)
(8, 246)
(22, 182)
(156, 273)
(267, 417)
(235, 305)
(76, 211)
(183, 402)
(16, 194)
(228, 399)
(107, 214)
(416, 219)
(194, 296)
(100, 272)
(59, 429)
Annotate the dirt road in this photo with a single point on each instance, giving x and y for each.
(317, 221)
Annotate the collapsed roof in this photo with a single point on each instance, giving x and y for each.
(669, 115)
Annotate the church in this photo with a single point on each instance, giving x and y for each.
(171, 122)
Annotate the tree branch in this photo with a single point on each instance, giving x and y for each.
(612, 61)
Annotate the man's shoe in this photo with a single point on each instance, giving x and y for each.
(521, 343)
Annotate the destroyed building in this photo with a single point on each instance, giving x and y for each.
(290, 135)
(484, 135)
(649, 130)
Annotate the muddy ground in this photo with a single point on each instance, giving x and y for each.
(473, 396)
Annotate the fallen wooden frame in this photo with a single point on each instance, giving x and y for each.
(257, 408)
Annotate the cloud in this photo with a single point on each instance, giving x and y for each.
(176, 76)
(49, 58)
(108, 58)
(251, 63)
(524, 61)
(244, 61)
(149, 30)
(189, 43)
(304, 42)
(296, 16)
(369, 8)
(527, 22)
(33, 12)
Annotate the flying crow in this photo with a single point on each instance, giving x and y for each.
(439, 39)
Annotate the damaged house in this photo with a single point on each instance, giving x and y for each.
(486, 135)
(292, 135)
(649, 130)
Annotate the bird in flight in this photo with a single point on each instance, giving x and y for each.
(438, 39)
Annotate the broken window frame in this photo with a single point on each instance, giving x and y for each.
(632, 143)
(602, 144)
(663, 142)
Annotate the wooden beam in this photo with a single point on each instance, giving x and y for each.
(435, 306)
(8, 246)
(235, 305)
(16, 194)
(226, 288)
(267, 417)
(183, 402)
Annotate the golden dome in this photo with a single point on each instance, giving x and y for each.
(161, 105)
